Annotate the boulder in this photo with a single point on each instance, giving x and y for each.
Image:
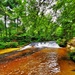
(71, 45)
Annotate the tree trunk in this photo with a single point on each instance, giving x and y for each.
(9, 31)
(17, 25)
(5, 24)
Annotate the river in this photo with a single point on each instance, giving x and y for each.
(35, 61)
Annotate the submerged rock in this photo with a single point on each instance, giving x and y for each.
(50, 44)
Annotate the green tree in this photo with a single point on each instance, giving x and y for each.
(67, 19)
(1, 27)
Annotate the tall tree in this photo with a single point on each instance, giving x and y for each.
(67, 17)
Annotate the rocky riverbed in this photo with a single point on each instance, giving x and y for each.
(35, 61)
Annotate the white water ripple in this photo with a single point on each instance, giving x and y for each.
(50, 67)
(50, 44)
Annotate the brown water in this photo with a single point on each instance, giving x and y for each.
(34, 61)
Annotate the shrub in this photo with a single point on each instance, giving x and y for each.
(61, 42)
(8, 45)
(5, 38)
(72, 56)
(2, 45)
(11, 44)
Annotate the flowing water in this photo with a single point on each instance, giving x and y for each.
(37, 61)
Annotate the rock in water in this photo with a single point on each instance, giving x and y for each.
(50, 44)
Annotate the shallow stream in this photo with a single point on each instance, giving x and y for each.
(35, 61)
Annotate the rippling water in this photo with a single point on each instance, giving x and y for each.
(50, 67)
(50, 44)
(34, 61)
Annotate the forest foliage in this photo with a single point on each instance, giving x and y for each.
(23, 25)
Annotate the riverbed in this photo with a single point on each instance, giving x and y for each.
(35, 61)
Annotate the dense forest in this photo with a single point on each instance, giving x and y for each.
(26, 21)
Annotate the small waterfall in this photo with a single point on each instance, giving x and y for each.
(50, 44)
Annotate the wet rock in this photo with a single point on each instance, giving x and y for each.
(71, 45)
